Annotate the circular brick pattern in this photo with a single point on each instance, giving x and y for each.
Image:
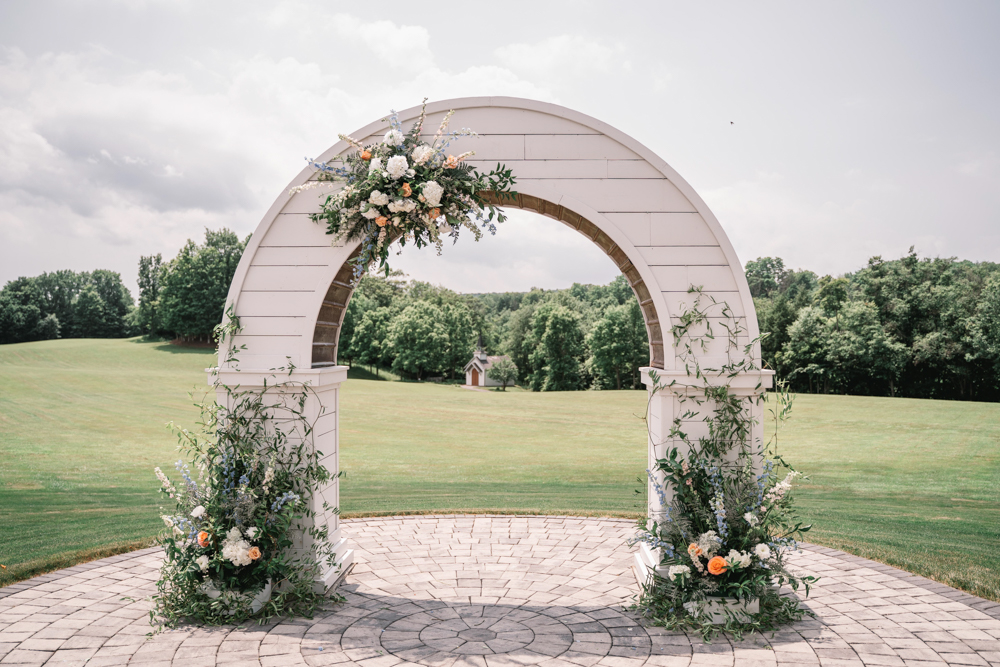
(462, 591)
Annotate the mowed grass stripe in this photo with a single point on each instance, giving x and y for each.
(912, 483)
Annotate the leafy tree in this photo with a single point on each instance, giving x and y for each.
(457, 320)
(150, 272)
(764, 274)
(194, 287)
(557, 355)
(369, 342)
(90, 313)
(984, 326)
(18, 322)
(618, 346)
(418, 340)
(806, 353)
(503, 371)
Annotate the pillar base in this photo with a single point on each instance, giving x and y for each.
(646, 562)
(332, 576)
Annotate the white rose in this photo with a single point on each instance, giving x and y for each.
(198, 512)
(202, 562)
(378, 198)
(397, 166)
(676, 570)
(762, 551)
(738, 558)
(393, 138)
(371, 213)
(375, 165)
(421, 153)
(432, 193)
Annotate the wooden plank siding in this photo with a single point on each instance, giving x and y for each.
(294, 290)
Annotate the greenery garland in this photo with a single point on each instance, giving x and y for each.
(405, 188)
(729, 522)
(245, 487)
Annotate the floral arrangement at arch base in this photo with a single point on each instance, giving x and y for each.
(728, 521)
(408, 189)
(246, 486)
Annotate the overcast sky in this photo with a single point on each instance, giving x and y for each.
(823, 133)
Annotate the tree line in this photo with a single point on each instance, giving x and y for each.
(913, 327)
(182, 298)
(586, 336)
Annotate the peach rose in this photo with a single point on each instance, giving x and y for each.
(434, 213)
(366, 155)
(406, 191)
(717, 565)
(451, 162)
(254, 553)
(203, 539)
(694, 550)
(381, 221)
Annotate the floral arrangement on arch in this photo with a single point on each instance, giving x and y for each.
(409, 189)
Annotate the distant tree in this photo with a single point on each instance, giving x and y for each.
(194, 287)
(417, 339)
(984, 327)
(830, 294)
(19, 323)
(90, 314)
(503, 371)
(150, 271)
(558, 351)
(369, 342)
(116, 303)
(764, 275)
(457, 320)
(805, 354)
(618, 346)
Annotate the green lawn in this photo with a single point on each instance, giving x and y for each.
(912, 483)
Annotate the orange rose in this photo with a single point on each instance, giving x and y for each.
(254, 553)
(203, 539)
(717, 565)
(451, 162)
(435, 213)
(694, 550)
(405, 191)
(381, 221)
(366, 155)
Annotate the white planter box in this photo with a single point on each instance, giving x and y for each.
(256, 603)
(716, 608)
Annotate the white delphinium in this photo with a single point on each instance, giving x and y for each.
(396, 166)
(740, 559)
(375, 165)
(432, 193)
(378, 198)
(202, 562)
(422, 153)
(235, 549)
(393, 138)
(709, 543)
(268, 476)
(198, 511)
(780, 489)
(751, 519)
(165, 481)
(675, 570)
(762, 551)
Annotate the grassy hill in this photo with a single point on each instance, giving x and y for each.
(82, 424)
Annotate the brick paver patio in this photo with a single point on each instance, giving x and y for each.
(463, 591)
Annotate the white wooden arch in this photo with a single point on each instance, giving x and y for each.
(292, 285)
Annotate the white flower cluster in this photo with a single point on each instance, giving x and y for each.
(738, 559)
(402, 206)
(198, 512)
(751, 519)
(422, 153)
(780, 489)
(678, 570)
(202, 562)
(165, 481)
(762, 552)
(393, 138)
(235, 549)
(378, 198)
(432, 193)
(397, 166)
(709, 543)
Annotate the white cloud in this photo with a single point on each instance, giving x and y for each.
(562, 56)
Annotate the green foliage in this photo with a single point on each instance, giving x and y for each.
(504, 371)
(65, 304)
(194, 285)
(764, 275)
(557, 357)
(618, 347)
(908, 327)
(147, 314)
(418, 340)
